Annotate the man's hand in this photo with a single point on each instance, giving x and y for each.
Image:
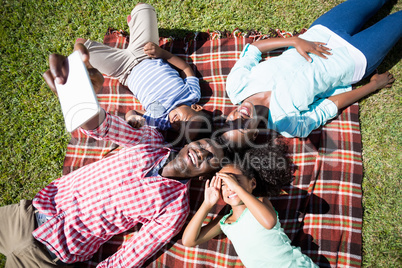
(304, 47)
(58, 73)
(58, 70)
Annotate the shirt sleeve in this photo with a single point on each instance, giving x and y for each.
(116, 130)
(237, 78)
(162, 123)
(193, 84)
(301, 124)
(151, 237)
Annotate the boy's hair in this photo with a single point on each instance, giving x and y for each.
(269, 165)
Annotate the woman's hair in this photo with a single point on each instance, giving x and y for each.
(268, 164)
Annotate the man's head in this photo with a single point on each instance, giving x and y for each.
(198, 158)
(189, 121)
(240, 128)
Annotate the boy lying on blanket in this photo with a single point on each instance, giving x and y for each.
(169, 98)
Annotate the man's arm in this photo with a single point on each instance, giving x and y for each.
(103, 126)
(154, 51)
(58, 73)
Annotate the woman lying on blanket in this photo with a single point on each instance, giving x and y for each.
(252, 225)
(298, 92)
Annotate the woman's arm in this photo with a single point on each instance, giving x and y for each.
(302, 46)
(194, 234)
(378, 81)
(154, 51)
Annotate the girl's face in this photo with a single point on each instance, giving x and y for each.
(235, 177)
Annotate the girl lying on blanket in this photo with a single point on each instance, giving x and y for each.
(303, 88)
(252, 225)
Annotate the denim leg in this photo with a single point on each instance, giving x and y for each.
(376, 41)
(350, 16)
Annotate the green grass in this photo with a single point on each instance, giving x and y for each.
(32, 135)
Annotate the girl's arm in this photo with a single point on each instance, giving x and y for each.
(377, 81)
(194, 234)
(154, 51)
(301, 45)
(262, 210)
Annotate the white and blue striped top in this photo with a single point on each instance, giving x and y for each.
(160, 89)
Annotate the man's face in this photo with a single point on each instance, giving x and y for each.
(198, 158)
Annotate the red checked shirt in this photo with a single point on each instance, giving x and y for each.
(90, 205)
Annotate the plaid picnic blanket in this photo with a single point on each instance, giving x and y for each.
(321, 211)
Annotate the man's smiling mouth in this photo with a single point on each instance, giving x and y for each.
(193, 158)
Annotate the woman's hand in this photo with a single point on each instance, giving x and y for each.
(212, 191)
(383, 80)
(304, 47)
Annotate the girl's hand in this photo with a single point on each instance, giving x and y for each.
(212, 191)
(229, 180)
(153, 50)
(304, 47)
(383, 80)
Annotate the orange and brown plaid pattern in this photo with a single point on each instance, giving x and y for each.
(321, 211)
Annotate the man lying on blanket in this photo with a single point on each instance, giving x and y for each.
(74, 215)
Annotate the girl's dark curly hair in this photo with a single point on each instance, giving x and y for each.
(269, 165)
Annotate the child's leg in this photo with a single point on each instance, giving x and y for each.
(349, 17)
(376, 41)
(118, 62)
(112, 61)
(143, 29)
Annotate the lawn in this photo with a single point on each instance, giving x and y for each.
(32, 134)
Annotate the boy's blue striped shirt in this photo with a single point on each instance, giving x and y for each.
(160, 89)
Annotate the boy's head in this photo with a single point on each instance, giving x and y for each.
(190, 121)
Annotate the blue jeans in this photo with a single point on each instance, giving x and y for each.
(375, 42)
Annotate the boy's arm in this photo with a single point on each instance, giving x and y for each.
(154, 51)
(135, 118)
